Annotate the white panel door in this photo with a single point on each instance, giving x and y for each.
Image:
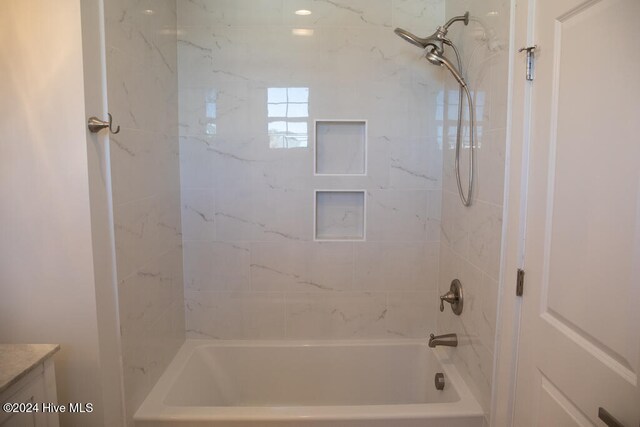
(580, 334)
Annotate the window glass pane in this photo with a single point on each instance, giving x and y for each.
(298, 94)
(277, 127)
(296, 142)
(299, 128)
(277, 110)
(298, 110)
(210, 106)
(276, 94)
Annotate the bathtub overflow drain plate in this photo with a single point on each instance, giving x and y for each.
(439, 381)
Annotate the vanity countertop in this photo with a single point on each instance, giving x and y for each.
(16, 360)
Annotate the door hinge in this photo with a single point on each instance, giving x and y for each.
(531, 56)
(520, 283)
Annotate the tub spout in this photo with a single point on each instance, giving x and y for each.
(448, 340)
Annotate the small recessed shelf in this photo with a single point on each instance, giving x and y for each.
(339, 215)
(340, 147)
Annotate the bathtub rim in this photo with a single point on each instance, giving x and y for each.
(153, 407)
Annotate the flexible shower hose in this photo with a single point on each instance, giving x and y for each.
(466, 200)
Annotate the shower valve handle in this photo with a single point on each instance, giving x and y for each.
(453, 297)
(449, 297)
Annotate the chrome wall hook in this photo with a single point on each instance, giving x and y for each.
(96, 125)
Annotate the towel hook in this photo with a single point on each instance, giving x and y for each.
(96, 125)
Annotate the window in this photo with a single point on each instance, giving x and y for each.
(211, 112)
(288, 112)
(450, 105)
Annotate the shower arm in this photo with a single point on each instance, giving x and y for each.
(442, 31)
(464, 18)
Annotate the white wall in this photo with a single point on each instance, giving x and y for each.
(142, 96)
(47, 292)
(252, 267)
(470, 244)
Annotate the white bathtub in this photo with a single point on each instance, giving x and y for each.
(311, 384)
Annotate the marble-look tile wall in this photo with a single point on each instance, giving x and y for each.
(471, 237)
(253, 77)
(142, 95)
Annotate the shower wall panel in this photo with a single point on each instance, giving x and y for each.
(253, 77)
(471, 237)
(142, 94)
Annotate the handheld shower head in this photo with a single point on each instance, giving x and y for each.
(433, 47)
(436, 58)
(435, 40)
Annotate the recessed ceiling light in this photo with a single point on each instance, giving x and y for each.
(148, 12)
(493, 13)
(303, 12)
(302, 32)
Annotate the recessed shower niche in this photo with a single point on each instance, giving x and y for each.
(340, 215)
(340, 147)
